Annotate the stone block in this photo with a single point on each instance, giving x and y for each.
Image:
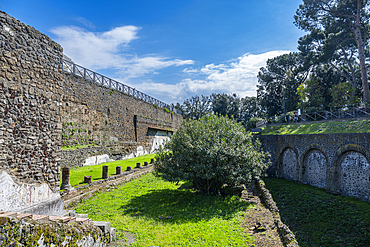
(88, 179)
(118, 170)
(105, 172)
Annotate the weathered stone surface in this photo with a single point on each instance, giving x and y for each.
(354, 172)
(340, 163)
(30, 145)
(40, 230)
(43, 108)
(19, 197)
(288, 168)
(314, 169)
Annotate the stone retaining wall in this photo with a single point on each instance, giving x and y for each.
(286, 234)
(18, 229)
(94, 114)
(43, 108)
(339, 163)
(30, 124)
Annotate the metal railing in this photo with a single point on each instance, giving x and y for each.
(341, 113)
(87, 74)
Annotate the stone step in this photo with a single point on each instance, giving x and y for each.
(79, 218)
(106, 228)
(22, 215)
(73, 213)
(40, 217)
(85, 221)
(8, 214)
(60, 218)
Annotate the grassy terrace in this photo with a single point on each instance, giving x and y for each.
(160, 213)
(321, 219)
(77, 174)
(359, 126)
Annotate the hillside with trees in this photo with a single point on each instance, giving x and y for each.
(331, 68)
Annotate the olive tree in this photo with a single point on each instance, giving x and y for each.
(211, 152)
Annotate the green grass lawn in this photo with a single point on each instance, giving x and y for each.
(77, 174)
(360, 126)
(321, 219)
(161, 214)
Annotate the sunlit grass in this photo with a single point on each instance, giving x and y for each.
(318, 218)
(161, 214)
(77, 174)
(75, 147)
(360, 126)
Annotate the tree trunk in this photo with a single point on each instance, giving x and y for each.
(361, 53)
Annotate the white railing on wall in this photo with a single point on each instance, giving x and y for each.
(87, 74)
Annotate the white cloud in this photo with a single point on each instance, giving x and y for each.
(237, 76)
(141, 66)
(85, 22)
(110, 50)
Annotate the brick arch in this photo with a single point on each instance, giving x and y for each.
(279, 165)
(313, 170)
(338, 182)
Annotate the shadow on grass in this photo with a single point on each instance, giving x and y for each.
(318, 218)
(179, 206)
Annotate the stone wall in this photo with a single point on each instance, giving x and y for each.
(30, 129)
(339, 163)
(41, 230)
(94, 114)
(122, 125)
(43, 108)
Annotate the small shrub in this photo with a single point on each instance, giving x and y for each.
(209, 153)
(252, 123)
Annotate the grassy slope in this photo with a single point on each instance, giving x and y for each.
(321, 219)
(188, 218)
(75, 147)
(360, 126)
(77, 175)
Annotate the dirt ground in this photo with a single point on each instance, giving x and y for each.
(259, 222)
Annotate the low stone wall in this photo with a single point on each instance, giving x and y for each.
(286, 234)
(41, 230)
(71, 197)
(80, 157)
(100, 154)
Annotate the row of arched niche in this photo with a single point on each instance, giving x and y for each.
(347, 172)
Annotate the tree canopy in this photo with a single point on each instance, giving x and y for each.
(278, 83)
(344, 24)
(211, 152)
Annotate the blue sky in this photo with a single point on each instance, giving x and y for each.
(171, 50)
